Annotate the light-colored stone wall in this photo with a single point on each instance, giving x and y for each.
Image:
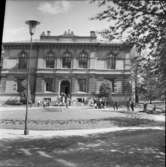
(11, 85)
(97, 60)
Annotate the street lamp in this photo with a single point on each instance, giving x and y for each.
(32, 25)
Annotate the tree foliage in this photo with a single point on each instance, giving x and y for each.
(104, 90)
(142, 22)
(150, 84)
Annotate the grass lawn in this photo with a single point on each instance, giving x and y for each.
(130, 148)
(75, 118)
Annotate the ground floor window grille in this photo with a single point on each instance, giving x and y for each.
(82, 85)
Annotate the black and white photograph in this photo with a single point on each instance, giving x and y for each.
(83, 83)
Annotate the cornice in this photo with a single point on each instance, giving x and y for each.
(54, 44)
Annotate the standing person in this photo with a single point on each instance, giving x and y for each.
(132, 105)
(66, 100)
(38, 103)
(44, 103)
(145, 107)
(128, 105)
(116, 105)
(113, 105)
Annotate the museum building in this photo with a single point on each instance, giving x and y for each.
(67, 63)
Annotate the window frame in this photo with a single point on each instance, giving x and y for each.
(50, 60)
(50, 86)
(82, 83)
(67, 60)
(83, 60)
(22, 61)
(111, 61)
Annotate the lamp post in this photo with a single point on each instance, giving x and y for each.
(32, 25)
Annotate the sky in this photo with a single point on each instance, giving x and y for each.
(54, 15)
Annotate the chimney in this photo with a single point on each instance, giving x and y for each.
(92, 34)
(48, 33)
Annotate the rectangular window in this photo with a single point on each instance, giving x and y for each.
(49, 84)
(82, 85)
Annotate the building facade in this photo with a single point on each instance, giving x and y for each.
(70, 64)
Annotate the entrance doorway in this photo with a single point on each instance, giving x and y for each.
(65, 87)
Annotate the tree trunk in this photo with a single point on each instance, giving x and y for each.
(150, 101)
(136, 95)
(165, 102)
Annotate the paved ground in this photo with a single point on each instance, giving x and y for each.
(127, 148)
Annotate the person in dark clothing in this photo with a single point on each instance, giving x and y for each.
(115, 105)
(145, 107)
(132, 105)
(128, 105)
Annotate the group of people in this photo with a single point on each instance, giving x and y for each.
(64, 100)
(44, 103)
(130, 105)
(99, 103)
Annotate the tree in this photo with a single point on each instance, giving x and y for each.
(104, 90)
(150, 83)
(142, 22)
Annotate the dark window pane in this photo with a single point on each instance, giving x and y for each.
(50, 61)
(66, 60)
(49, 84)
(22, 62)
(83, 60)
(111, 62)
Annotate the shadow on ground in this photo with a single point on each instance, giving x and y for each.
(130, 148)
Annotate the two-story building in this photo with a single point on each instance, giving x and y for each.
(71, 64)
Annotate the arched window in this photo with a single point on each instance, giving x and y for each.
(22, 61)
(66, 60)
(111, 62)
(50, 61)
(83, 60)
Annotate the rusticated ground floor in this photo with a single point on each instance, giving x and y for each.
(13, 87)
